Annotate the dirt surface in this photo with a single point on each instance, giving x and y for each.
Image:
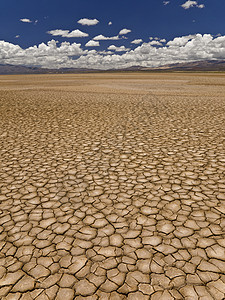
(112, 186)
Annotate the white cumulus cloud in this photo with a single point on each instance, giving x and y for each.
(92, 43)
(155, 43)
(137, 41)
(67, 33)
(88, 22)
(49, 55)
(180, 41)
(118, 49)
(154, 38)
(104, 38)
(124, 31)
(25, 20)
(189, 3)
(182, 49)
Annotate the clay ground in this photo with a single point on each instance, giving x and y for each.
(112, 186)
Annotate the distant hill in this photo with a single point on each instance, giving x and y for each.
(12, 69)
(207, 65)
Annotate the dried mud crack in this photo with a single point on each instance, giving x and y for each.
(112, 187)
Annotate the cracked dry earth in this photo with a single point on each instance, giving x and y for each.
(112, 186)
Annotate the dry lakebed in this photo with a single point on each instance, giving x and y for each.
(112, 186)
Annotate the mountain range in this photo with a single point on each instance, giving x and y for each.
(201, 66)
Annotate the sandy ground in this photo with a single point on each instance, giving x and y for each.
(112, 186)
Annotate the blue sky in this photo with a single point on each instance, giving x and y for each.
(150, 24)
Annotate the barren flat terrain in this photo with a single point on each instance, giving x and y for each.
(112, 186)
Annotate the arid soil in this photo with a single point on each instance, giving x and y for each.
(112, 186)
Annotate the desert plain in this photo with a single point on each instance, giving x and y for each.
(112, 186)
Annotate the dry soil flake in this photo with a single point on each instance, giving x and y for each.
(65, 294)
(25, 284)
(84, 288)
(11, 278)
